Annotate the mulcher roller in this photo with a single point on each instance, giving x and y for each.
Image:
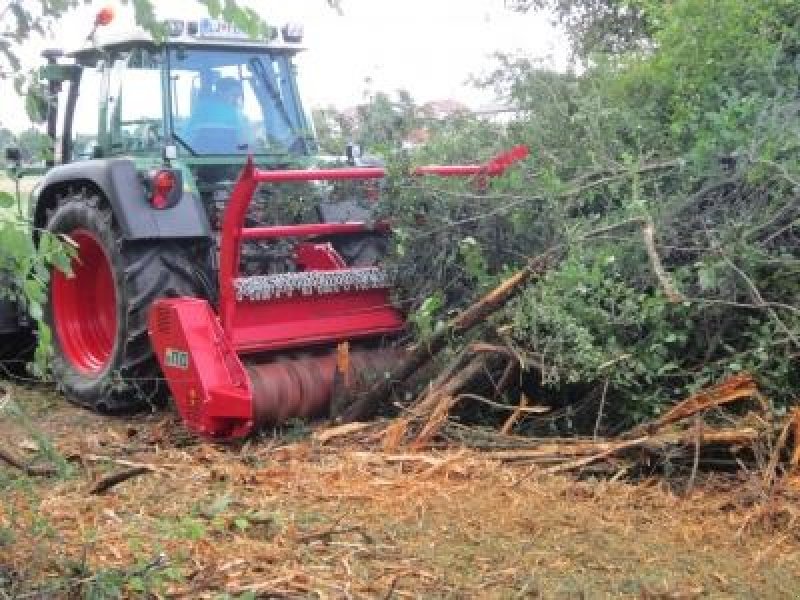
(289, 388)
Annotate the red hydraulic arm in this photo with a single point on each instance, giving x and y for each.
(234, 232)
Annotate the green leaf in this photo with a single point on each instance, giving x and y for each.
(241, 523)
(36, 104)
(6, 200)
(34, 291)
(707, 278)
(63, 263)
(214, 7)
(35, 310)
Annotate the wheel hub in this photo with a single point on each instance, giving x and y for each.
(84, 306)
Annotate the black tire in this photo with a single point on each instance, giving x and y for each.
(141, 272)
(16, 351)
(17, 341)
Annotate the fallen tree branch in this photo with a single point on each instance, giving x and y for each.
(515, 416)
(795, 460)
(162, 468)
(106, 483)
(367, 405)
(648, 233)
(325, 435)
(327, 535)
(11, 459)
(583, 462)
(563, 457)
(760, 302)
(734, 388)
(536, 410)
(434, 407)
(772, 466)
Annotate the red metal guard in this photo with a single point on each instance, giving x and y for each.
(200, 354)
(297, 320)
(251, 327)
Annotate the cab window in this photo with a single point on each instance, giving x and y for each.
(135, 110)
(85, 130)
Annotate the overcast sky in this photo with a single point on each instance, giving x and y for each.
(429, 47)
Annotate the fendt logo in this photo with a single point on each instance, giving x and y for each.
(517, 5)
(176, 358)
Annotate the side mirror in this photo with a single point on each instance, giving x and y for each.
(353, 153)
(13, 155)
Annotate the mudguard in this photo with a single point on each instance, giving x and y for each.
(121, 185)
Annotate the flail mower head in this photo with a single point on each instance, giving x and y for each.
(265, 356)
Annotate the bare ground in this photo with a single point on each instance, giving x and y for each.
(288, 516)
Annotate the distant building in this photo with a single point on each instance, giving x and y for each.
(442, 109)
(499, 112)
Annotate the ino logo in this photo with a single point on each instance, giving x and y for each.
(176, 358)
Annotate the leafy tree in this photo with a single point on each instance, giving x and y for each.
(598, 25)
(33, 145)
(690, 133)
(333, 129)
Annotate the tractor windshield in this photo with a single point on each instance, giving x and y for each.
(236, 101)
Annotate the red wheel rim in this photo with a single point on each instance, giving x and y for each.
(85, 306)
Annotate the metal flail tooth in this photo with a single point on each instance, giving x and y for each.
(267, 287)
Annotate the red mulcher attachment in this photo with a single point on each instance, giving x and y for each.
(323, 303)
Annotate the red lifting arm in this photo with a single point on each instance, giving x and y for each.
(496, 166)
(234, 233)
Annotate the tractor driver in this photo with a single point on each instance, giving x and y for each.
(218, 123)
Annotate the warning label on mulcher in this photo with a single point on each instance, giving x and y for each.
(176, 358)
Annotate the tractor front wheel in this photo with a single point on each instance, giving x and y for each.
(98, 313)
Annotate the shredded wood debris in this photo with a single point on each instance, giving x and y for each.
(334, 515)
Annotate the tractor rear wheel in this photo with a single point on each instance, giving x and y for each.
(98, 315)
(16, 350)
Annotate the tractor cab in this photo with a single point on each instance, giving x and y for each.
(206, 91)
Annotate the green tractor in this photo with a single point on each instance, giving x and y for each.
(243, 299)
(151, 138)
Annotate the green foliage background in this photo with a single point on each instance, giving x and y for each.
(689, 122)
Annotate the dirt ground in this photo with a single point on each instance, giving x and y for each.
(287, 516)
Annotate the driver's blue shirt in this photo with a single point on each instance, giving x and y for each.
(217, 126)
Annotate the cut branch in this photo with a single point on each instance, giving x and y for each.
(367, 405)
(648, 233)
(106, 483)
(13, 460)
(732, 389)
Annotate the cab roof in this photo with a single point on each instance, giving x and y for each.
(203, 33)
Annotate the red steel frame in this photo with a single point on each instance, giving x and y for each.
(234, 233)
(298, 320)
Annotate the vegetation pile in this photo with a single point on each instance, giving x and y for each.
(660, 205)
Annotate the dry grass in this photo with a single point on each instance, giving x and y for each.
(286, 517)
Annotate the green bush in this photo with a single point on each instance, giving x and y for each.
(694, 129)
